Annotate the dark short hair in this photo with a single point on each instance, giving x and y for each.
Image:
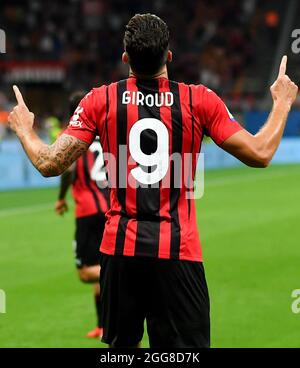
(74, 100)
(146, 42)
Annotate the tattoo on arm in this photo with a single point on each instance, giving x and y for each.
(55, 159)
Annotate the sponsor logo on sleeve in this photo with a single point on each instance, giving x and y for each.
(75, 122)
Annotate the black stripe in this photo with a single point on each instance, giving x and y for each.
(87, 179)
(106, 192)
(191, 150)
(120, 238)
(176, 114)
(148, 198)
(121, 125)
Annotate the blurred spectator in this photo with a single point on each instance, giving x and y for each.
(213, 41)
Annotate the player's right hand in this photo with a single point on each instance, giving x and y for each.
(283, 89)
(61, 206)
(20, 120)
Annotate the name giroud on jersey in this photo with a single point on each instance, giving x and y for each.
(156, 99)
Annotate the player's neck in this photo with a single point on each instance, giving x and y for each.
(163, 73)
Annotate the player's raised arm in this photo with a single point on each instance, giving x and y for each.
(50, 160)
(258, 150)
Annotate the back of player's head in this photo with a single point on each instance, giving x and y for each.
(74, 100)
(146, 42)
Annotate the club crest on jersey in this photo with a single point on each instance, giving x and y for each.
(156, 99)
(75, 122)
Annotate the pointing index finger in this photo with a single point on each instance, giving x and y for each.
(19, 96)
(282, 68)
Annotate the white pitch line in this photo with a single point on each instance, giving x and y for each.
(25, 209)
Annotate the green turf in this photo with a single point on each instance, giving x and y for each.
(250, 231)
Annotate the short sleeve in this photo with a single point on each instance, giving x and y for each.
(86, 120)
(219, 122)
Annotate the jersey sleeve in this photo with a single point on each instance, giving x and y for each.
(219, 123)
(85, 123)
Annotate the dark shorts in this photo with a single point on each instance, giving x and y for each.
(88, 236)
(170, 295)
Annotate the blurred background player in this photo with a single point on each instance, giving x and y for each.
(54, 128)
(91, 198)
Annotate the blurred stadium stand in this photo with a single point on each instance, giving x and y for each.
(57, 46)
(228, 46)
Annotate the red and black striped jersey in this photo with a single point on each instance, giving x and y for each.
(90, 198)
(146, 126)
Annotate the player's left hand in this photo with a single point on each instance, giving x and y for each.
(20, 120)
(283, 90)
(61, 206)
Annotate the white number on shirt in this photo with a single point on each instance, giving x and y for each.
(159, 158)
(98, 173)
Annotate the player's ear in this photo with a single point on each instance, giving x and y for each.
(125, 58)
(169, 56)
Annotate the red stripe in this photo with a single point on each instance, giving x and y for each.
(165, 225)
(130, 238)
(198, 131)
(104, 139)
(84, 202)
(190, 244)
(132, 118)
(103, 201)
(109, 238)
(94, 186)
(77, 186)
(186, 148)
(79, 170)
(194, 250)
(105, 145)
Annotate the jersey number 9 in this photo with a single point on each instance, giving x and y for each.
(159, 158)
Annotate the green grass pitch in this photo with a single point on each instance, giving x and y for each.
(249, 223)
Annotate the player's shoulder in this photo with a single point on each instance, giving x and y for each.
(95, 95)
(103, 89)
(205, 95)
(201, 89)
(99, 94)
(96, 91)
